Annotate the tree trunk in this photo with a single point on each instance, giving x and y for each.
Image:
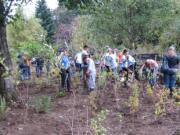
(6, 82)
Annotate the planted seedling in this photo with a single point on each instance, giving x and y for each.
(42, 104)
(61, 94)
(149, 90)
(160, 105)
(96, 123)
(176, 95)
(134, 99)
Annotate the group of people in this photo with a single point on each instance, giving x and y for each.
(119, 63)
(25, 65)
(85, 65)
(168, 68)
(122, 64)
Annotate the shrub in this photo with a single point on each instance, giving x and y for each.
(42, 104)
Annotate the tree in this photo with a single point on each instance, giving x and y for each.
(75, 4)
(125, 22)
(24, 30)
(27, 35)
(6, 83)
(45, 15)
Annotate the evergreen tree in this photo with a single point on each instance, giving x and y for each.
(45, 15)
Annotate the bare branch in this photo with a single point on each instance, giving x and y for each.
(8, 8)
(11, 4)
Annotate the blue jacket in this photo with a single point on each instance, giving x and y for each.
(65, 62)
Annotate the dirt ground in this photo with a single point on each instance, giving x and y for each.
(73, 111)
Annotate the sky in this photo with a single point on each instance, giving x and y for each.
(29, 10)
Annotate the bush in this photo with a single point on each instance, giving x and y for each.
(42, 104)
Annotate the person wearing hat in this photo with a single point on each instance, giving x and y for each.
(170, 66)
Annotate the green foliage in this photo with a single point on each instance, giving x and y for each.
(134, 98)
(102, 79)
(171, 34)
(27, 35)
(96, 123)
(160, 106)
(61, 94)
(149, 90)
(45, 15)
(124, 23)
(35, 49)
(74, 4)
(176, 95)
(85, 32)
(3, 107)
(42, 104)
(23, 30)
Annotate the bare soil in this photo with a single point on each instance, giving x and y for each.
(70, 115)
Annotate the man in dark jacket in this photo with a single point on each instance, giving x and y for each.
(170, 68)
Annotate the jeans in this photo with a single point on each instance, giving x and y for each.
(65, 79)
(38, 71)
(169, 80)
(25, 73)
(78, 66)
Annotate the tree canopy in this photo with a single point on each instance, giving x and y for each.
(46, 17)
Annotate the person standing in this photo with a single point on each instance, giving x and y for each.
(78, 61)
(108, 60)
(91, 73)
(65, 72)
(120, 55)
(48, 68)
(39, 66)
(85, 64)
(170, 66)
(114, 64)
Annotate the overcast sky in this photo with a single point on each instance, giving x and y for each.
(29, 10)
